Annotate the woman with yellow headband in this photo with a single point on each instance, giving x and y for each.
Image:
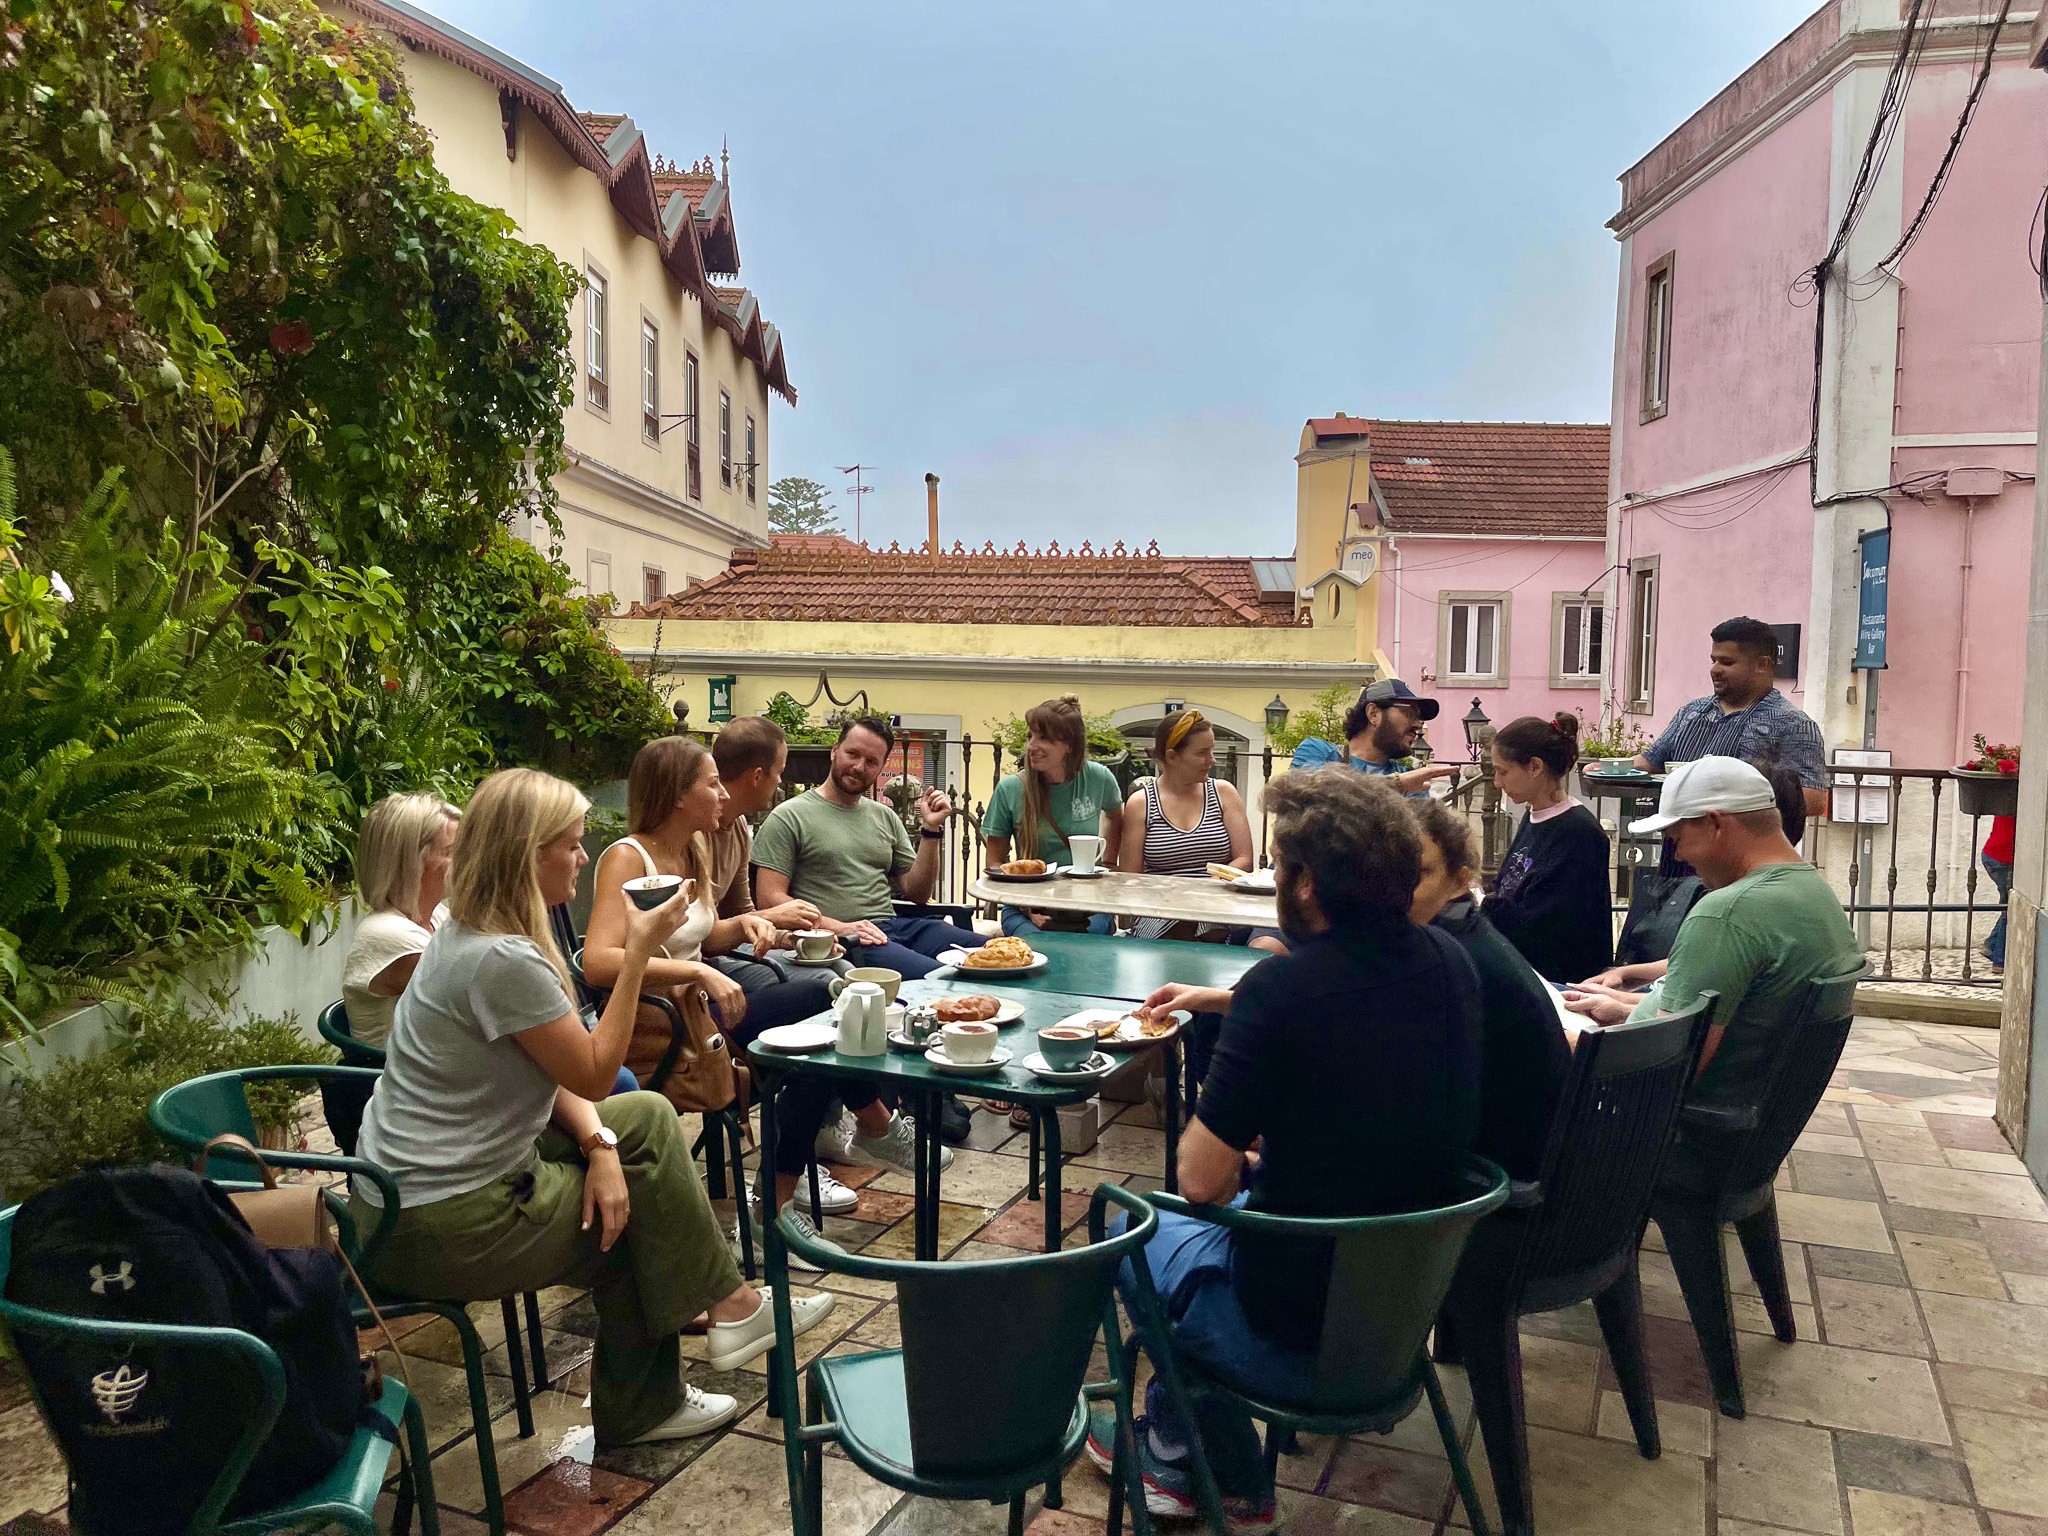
(1183, 821)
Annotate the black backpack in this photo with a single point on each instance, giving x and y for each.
(145, 1429)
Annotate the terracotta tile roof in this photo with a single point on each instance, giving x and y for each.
(1338, 426)
(811, 541)
(601, 124)
(1496, 477)
(819, 581)
(694, 185)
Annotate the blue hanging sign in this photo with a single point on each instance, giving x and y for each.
(1873, 561)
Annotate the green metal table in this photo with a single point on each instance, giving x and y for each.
(923, 1084)
(1128, 970)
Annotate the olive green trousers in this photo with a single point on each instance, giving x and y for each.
(525, 1231)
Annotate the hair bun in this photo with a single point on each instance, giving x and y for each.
(1071, 698)
(1566, 724)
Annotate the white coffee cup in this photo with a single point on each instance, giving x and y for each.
(1087, 852)
(969, 1042)
(895, 1015)
(813, 944)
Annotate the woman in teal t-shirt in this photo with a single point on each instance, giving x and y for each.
(1059, 795)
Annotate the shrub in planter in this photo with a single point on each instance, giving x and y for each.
(1988, 784)
(94, 1112)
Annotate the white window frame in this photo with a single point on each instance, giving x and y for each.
(725, 439)
(650, 382)
(1562, 673)
(1643, 598)
(653, 583)
(753, 457)
(597, 390)
(1659, 287)
(1448, 606)
(693, 478)
(598, 567)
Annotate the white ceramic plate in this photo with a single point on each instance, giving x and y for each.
(939, 1059)
(1098, 1065)
(1127, 1039)
(953, 957)
(1255, 880)
(814, 965)
(1068, 872)
(795, 1039)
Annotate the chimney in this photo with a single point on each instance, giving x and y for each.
(931, 507)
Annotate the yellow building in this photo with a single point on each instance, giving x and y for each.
(668, 438)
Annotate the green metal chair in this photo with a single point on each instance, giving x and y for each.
(192, 1113)
(346, 1496)
(988, 1397)
(344, 1104)
(1388, 1277)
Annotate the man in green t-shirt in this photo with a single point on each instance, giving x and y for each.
(1767, 928)
(847, 854)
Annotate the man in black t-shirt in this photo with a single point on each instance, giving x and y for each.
(1353, 1063)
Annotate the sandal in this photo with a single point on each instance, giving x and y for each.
(998, 1106)
(1020, 1117)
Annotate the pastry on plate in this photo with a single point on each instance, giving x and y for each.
(1024, 867)
(971, 1009)
(1002, 954)
(1225, 872)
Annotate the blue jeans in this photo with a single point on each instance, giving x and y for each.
(2001, 876)
(914, 944)
(1016, 924)
(1190, 1263)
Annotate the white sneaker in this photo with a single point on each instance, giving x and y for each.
(731, 1345)
(701, 1413)
(835, 1140)
(895, 1148)
(834, 1198)
(801, 1214)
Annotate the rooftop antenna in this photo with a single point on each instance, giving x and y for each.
(857, 491)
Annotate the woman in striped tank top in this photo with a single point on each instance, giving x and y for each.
(1183, 821)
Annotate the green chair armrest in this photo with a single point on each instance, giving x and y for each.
(1494, 1194)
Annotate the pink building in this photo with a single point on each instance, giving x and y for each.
(1757, 433)
(1473, 552)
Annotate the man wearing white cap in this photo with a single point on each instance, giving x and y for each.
(1767, 927)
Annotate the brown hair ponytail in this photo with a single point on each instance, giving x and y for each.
(1554, 742)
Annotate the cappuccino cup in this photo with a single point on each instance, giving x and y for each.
(1087, 853)
(1066, 1047)
(881, 976)
(649, 891)
(969, 1042)
(813, 944)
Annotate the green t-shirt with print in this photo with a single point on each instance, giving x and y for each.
(838, 858)
(1759, 943)
(1077, 806)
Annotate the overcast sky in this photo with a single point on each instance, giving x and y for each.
(1093, 264)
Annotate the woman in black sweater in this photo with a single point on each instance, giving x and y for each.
(1551, 898)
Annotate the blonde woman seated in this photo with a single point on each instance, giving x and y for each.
(675, 801)
(510, 1178)
(401, 875)
(1183, 821)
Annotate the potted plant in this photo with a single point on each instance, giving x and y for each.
(1608, 751)
(1989, 783)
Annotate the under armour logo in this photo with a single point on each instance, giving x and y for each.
(116, 1391)
(122, 1278)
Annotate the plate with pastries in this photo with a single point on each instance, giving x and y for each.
(1130, 1029)
(976, 1008)
(998, 957)
(1021, 872)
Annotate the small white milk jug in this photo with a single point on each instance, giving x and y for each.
(862, 1011)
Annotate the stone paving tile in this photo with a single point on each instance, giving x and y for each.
(1783, 1473)
(1866, 1316)
(1891, 1514)
(1848, 1264)
(1900, 1466)
(572, 1498)
(2008, 1460)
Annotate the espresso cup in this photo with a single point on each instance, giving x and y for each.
(1066, 1047)
(1087, 852)
(649, 891)
(813, 944)
(970, 1042)
(887, 980)
(895, 1017)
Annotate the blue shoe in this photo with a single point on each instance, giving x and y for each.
(1169, 1486)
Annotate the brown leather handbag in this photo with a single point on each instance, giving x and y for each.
(692, 1068)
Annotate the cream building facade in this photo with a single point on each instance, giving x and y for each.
(668, 437)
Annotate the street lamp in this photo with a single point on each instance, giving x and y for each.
(1478, 731)
(1276, 716)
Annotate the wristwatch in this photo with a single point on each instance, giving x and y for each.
(934, 833)
(601, 1137)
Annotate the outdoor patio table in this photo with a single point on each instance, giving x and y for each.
(1129, 970)
(1179, 897)
(923, 1084)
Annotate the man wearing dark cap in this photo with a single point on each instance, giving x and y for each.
(1380, 732)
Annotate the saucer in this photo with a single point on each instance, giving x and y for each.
(812, 965)
(1095, 1066)
(942, 1062)
(1068, 872)
(794, 1039)
(898, 1041)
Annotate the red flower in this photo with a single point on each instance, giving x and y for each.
(291, 338)
(2008, 765)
